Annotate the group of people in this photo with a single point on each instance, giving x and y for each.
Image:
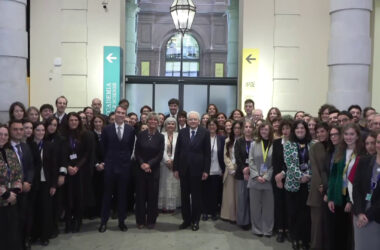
(310, 180)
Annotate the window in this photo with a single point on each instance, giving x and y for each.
(190, 56)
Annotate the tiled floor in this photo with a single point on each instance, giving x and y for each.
(212, 235)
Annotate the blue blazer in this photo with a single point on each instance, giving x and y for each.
(117, 154)
(193, 157)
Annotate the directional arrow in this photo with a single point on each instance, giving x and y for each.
(249, 59)
(110, 58)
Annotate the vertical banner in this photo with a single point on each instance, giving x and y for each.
(249, 78)
(112, 77)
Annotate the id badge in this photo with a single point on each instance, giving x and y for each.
(73, 157)
(247, 161)
(304, 167)
(368, 197)
(263, 169)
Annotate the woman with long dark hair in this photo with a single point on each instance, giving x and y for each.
(46, 176)
(279, 169)
(17, 111)
(228, 210)
(340, 185)
(77, 148)
(298, 175)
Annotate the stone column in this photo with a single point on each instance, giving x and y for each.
(131, 37)
(233, 37)
(13, 55)
(349, 53)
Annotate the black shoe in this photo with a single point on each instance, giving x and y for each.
(214, 217)
(246, 227)
(259, 235)
(76, 226)
(44, 243)
(123, 227)
(102, 228)
(27, 245)
(305, 246)
(295, 245)
(195, 227)
(280, 237)
(204, 217)
(268, 236)
(184, 225)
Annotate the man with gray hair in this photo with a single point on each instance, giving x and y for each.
(191, 165)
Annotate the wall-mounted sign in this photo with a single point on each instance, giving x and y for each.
(112, 77)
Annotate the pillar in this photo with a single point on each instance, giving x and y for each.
(233, 37)
(13, 55)
(349, 53)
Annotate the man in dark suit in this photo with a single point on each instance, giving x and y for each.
(173, 108)
(118, 140)
(192, 165)
(61, 105)
(24, 199)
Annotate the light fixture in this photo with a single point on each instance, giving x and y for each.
(183, 12)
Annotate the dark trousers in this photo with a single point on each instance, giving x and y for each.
(75, 200)
(25, 203)
(211, 191)
(299, 214)
(191, 189)
(58, 207)
(111, 181)
(43, 213)
(131, 188)
(9, 228)
(146, 198)
(280, 209)
(340, 229)
(98, 187)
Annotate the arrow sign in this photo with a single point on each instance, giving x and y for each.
(110, 58)
(249, 59)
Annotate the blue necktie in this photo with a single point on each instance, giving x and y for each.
(192, 135)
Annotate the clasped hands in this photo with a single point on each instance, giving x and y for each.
(146, 168)
(72, 170)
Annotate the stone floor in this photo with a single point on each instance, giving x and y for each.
(212, 235)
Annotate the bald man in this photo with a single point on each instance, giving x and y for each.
(96, 105)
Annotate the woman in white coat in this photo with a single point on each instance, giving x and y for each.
(169, 196)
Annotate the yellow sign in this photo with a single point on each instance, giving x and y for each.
(145, 68)
(249, 78)
(219, 69)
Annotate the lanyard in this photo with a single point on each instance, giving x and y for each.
(72, 143)
(265, 152)
(345, 174)
(302, 152)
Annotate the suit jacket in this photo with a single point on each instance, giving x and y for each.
(362, 186)
(195, 155)
(317, 156)
(255, 161)
(47, 163)
(241, 155)
(149, 150)
(27, 163)
(220, 144)
(117, 154)
(278, 161)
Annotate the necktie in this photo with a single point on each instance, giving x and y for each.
(192, 135)
(119, 133)
(19, 152)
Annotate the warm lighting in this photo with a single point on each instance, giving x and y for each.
(183, 12)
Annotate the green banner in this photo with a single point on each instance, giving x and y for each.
(112, 77)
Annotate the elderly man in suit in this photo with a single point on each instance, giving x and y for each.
(118, 140)
(192, 165)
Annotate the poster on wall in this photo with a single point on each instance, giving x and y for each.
(112, 77)
(249, 73)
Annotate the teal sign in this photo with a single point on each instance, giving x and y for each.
(112, 77)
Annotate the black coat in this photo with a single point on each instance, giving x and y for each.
(362, 187)
(220, 143)
(195, 155)
(241, 155)
(278, 161)
(149, 151)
